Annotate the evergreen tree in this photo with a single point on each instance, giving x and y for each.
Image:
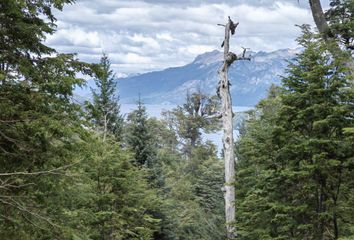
(139, 136)
(58, 180)
(114, 200)
(24, 25)
(317, 106)
(192, 206)
(193, 201)
(105, 109)
(299, 170)
(257, 185)
(40, 127)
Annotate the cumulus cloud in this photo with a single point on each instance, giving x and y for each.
(148, 35)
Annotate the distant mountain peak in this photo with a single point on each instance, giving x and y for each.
(260, 56)
(250, 79)
(209, 58)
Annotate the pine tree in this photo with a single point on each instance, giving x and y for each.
(255, 175)
(295, 161)
(24, 25)
(40, 127)
(113, 199)
(139, 136)
(105, 109)
(318, 104)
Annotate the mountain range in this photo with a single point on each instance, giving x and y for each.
(249, 80)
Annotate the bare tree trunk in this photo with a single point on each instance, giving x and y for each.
(323, 28)
(228, 140)
(319, 18)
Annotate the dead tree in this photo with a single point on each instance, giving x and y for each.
(228, 140)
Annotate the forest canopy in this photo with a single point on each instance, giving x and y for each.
(83, 170)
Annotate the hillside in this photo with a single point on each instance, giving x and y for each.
(250, 80)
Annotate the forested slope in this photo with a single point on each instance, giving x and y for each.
(84, 171)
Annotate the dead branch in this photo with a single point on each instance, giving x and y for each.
(214, 116)
(55, 171)
(11, 202)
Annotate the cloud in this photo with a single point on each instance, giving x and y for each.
(196, 49)
(148, 35)
(75, 36)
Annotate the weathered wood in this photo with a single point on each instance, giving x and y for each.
(228, 139)
(227, 123)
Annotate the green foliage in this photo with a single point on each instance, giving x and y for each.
(114, 199)
(139, 136)
(191, 205)
(36, 148)
(193, 200)
(57, 179)
(341, 21)
(104, 112)
(295, 162)
(23, 28)
(60, 179)
(255, 169)
(191, 118)
(190, 184)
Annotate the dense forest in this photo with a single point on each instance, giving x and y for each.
(83, 171)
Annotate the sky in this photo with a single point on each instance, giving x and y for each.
(148, 35)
